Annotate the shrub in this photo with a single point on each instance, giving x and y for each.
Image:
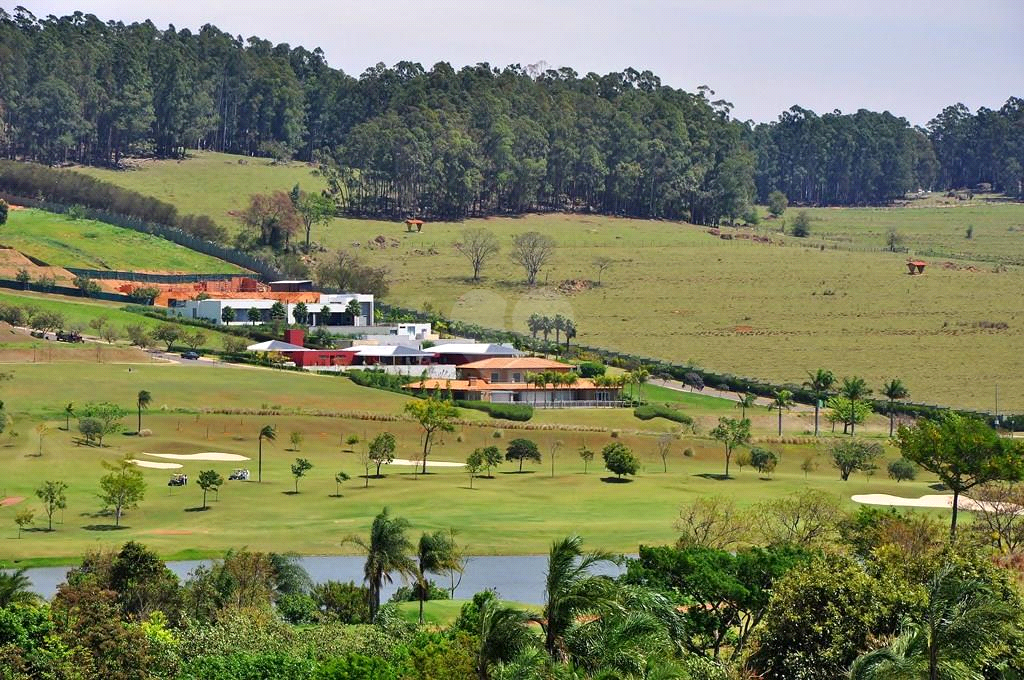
(620, 460)
(902, 470)
(379, 379)
(688, 453)
(356, 666)
(517, 412)
(412, 593)
(591, 369)
(802, 224)
(651, 411)
(297, 608)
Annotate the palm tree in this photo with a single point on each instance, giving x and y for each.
(893, 390)
(503, 634)
(854, 389)
(16, 588)
(546, 326)
(270, 434)
(559, 325)
(534, 323)
(436, 554)
(143, 400)
(571, 591)
(965, 624)
(570, 332)
(640, 376)
(69, 411)
(744, 402)
(387, 551)
(819, 385)
(783, 400)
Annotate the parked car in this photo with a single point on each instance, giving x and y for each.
(191, 354)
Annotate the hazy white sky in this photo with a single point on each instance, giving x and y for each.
(911, 58)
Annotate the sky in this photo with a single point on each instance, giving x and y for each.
(909, 57)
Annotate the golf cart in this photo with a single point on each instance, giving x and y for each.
(239, 474)
(178, 480)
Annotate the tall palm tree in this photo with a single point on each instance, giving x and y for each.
(387, 551)
(143, 400)
(534, 324)
(69, 411)
(820, 384)
(16, 588)
(893, 390)
(782, 400)
(570, 332)
(570, 590)
(854, 389)
(435, 554)
(744, 402)
(503, 635)
(964, 626)
(559, 325)
(546, 326)
(640, 375)
(269, 433)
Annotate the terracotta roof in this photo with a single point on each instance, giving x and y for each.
(527, 363)
(484, 386)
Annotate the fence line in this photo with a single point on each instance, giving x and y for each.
(141, 277)
(65, 290)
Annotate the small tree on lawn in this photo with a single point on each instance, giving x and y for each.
(802, 224)
(851, 455)
(619, 459)
(434, 415)
(552, 451)
(492, 458)
(53, 497)
(586, 455)
(142, 400)
(299, 469)
(268, 432)
(522, 449)
(731, 433)
(295, 438)
(340, 479)
(856, 390)
(764, 460)
(532, 251)
(168, 333)
(777, 203)
(69, 411)
(474, 464)
(210, 480)
(477, 246)
(782, 400)
(902, 470)
(122, 488)
(24, 519)
(665, 447)
(382, 450)
(194, 340)
(104, 413)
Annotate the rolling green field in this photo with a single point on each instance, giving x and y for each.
(508, 514)
(63, 242)
(773, 311)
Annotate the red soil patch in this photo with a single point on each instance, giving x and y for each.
(744, 329)
(12, 500)
(170, 532)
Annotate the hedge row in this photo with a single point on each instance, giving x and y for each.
(651, 411)
(517, 412)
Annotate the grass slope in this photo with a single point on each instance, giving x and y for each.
(62, 242)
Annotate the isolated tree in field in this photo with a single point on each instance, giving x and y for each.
(300, 314)
(340, 479)
(532, 251)
(492, 458)
(782, 400)
(478, 246)
(856, 390)
(777, 203)
(91, 429)
(586, 455)
(24, 518)
(168, 333)
(387, 550)
(299, 469)
(295, 439)
(665, 447)
(345, 271)
(802, 224)
(434, 415)
(894, 390)
(110, 333)
(382, 450)
(227, 315)
(474, 464)
(842, 410)
(819, 383)
(142, 400)
(694, 381)
(745, 401)
(902, 470)
(314, 209)
(601, 264)
(764, 460)
(893, 240)
(41, 430)
(522, 449)
(731, 433)
(138, 335)
(271, 219)
(553, 450)
(122, 488)
(254, 316)
(194, 340)
(210, 480)
(53, 497)
(69, 410)
(619, 460)
(853, 455)
(268, 433)
(963, 453)
(436, 553)
(104, 413)
(572, 593)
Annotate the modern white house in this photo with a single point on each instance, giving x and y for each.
(335, 314)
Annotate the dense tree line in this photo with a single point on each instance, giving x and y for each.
(479, 140)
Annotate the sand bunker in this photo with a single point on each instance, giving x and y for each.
(11, 501)
(155, 466)
(430, 463)
(930, 501)
(210, 455)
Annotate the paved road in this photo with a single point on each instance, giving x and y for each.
(722, 394)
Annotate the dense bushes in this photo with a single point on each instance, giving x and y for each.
(382, 380)
(517, 412)
(651, 411)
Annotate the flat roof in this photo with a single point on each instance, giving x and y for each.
(527, 363)
(388, 351)
(291, 281)
(484, 386)
(474, 348)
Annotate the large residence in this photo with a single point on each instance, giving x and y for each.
(323, 309)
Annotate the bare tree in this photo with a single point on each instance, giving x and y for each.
(999, 516)
(532, 251)
(714, 522)
(600, 264)
(477, 246)
(665, 446)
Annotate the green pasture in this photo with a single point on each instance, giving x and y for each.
(510, 513)
(62, 242)
(445, 612)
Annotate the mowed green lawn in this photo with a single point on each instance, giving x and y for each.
(510, 513)
(62, 242)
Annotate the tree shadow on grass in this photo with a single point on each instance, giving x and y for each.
(290, 493)
(103, 527)
(198, 508)
(518, 472)
(939, 486)
(616, 480)
(716, 477)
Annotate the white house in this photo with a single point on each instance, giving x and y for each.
(336, 314)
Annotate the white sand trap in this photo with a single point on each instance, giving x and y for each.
(155, 466)
(430, 463)
(931, 501)
(210, 455)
